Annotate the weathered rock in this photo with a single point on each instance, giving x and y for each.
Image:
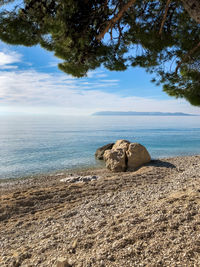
(115, 160)
(100, 151)
(63, 262)
(125, 155)
(121, 144)
(137, 155)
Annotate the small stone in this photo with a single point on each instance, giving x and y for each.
(59, 174)
(67, 179)
(74, 244)
(111, 258)
(63, 262)
(102, 264)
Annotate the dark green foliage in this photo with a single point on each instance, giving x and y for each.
(71, 29)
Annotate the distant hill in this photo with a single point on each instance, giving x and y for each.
(134, 113)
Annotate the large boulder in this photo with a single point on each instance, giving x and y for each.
(100, 151)
(125, 155)
(137, 155)
(115, 160)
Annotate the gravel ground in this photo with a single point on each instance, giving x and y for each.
(145, 218)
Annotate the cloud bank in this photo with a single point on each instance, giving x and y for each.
(39, 92)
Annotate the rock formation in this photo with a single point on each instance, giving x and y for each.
(125, 155)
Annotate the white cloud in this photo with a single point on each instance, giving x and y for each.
(33, 91)
(8, 58)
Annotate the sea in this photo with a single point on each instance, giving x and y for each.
(31, 145)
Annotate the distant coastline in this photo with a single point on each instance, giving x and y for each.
(134, 113)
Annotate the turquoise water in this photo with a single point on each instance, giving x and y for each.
(32, 145)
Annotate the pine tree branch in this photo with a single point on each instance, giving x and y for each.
(193, 9)
(116, 18)
(187, 56)
(165, 16)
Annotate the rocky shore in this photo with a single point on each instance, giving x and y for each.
(96, 218)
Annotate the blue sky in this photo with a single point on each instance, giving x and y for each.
(31, 83)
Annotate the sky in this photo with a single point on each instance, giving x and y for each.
(31, 83)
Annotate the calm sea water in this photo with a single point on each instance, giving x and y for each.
(32, 145)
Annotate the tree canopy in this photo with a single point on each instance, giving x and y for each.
(161, 36)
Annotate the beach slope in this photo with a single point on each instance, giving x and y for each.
(145, 218)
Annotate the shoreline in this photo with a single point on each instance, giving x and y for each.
(78, 170)
(120, 219)
(51, 173)
(99, 165)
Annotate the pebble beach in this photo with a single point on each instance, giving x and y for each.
(94, 217)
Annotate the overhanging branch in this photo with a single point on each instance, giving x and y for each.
(164, 17)
(193, 9)
(116, 18)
